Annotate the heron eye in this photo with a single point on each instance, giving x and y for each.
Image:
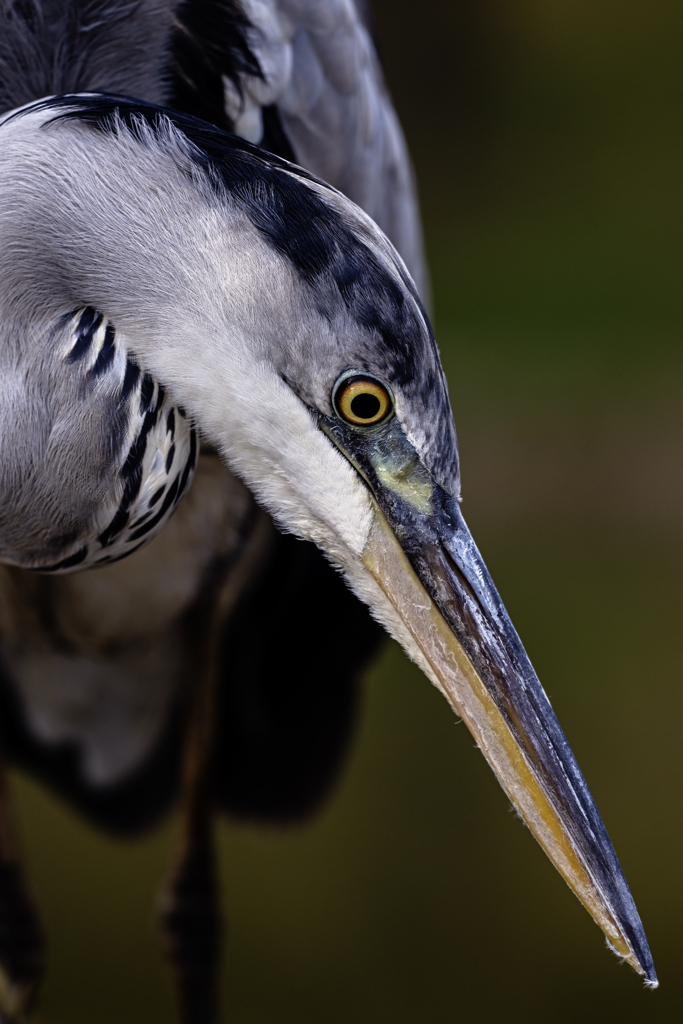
(362, 401)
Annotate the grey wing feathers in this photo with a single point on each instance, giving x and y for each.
(320, 69)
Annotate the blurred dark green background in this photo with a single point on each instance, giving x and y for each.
(547, 137)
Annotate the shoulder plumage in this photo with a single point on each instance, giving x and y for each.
(302, 78)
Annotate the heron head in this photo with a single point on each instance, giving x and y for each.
(287, 324)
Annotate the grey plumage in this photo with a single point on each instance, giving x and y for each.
(321, 70)
(318, 68)
(53, 47)
(99, 658)
(145, 254)
(100, 421)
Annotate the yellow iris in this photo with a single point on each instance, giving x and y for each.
(363, 401)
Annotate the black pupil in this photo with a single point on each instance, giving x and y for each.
(365, 406)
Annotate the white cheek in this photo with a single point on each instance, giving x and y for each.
(271, 440)
(309, 487)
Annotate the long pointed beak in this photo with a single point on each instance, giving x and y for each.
(437, 581)
(425, 560)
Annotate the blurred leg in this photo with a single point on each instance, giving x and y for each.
(190, 919)
(22, 943)
(191, 923)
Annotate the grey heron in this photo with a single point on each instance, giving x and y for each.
(167, 286)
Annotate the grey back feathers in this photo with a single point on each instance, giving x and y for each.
(55, 46)
(320, 68)
(309, 65)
